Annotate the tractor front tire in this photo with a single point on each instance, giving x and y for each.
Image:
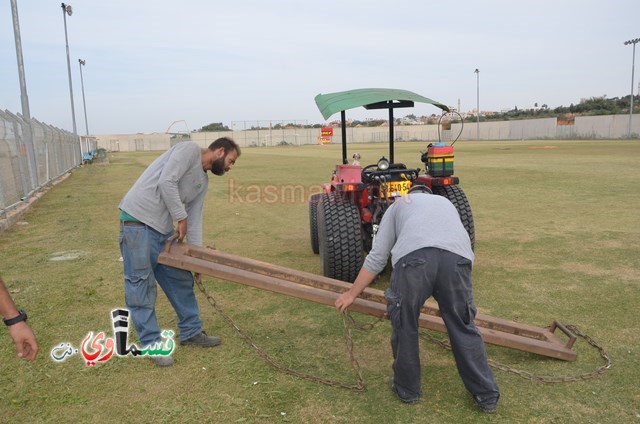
(313, 222)
(460, 201)
(339, 237)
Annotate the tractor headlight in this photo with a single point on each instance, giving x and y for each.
(383, 164)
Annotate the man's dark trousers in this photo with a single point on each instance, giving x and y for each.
(447, 276)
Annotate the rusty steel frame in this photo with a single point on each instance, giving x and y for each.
(325, 290)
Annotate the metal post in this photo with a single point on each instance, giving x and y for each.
(84, 104)
(343, 120)
(477, 72)
(633, 62)
(66, 9)
(391, 132)
(23, 84)
(27, 134)
(81, 63)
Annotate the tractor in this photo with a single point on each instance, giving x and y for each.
(344, 217)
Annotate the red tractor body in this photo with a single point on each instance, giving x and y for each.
(344, 218)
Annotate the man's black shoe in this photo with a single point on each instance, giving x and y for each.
(201, 339)
(488, 405)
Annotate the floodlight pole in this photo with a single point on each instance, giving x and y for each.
(477, 72)
(81, 63)
(66, 9)
(23, 83)
(27, 135)
(633, 63)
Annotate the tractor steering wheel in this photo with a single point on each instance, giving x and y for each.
(370, 166)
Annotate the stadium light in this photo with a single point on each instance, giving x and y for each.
(633, 60)
(82, 63)
(67, 10)
(477, 72)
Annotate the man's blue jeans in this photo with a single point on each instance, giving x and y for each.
(140, 246)
(447, 276)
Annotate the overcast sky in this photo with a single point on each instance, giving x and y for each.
(152, 62)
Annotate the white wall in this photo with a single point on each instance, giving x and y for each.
(588, 127)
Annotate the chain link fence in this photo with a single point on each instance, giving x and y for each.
(33, 155)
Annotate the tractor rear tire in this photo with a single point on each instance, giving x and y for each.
(456, 196)
(339, 237)
(313, 222)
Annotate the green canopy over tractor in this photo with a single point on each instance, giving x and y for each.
(343, 100)
(370, 98)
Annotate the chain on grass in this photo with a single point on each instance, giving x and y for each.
(543, 378)
(347, 323)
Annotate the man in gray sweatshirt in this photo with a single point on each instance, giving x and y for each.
(171, 190)
(431, 255)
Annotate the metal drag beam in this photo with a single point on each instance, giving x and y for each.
(325, 290)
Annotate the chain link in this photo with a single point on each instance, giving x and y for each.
(542, 378)
(347, 321)
(364, 327)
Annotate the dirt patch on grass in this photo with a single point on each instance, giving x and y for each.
(591, 270)
(68, 255)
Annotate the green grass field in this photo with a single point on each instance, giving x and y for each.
(557, 237)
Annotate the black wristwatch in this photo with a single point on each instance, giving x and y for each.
(22, 316)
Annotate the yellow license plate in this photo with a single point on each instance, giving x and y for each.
(396, 188)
